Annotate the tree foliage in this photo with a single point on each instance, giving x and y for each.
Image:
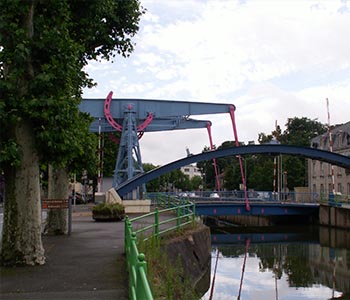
(110, 145)
(44, 46)
(48, 56)
(259, 169)
(298, 132)
(172, 181)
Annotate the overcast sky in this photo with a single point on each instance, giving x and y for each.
(273, 60)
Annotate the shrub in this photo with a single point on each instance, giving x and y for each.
(112, 212)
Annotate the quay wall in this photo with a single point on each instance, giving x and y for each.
(334, 216)
(194, 250)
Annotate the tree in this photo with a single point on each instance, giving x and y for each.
(298, 132)
(172, 181)
(207, 170)
(196, 181)
(260, 172)
(44, 46)
(259, 168)
(153, 185)
(110, 144)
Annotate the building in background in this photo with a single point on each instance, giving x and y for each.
(191, 171)
(320, 173)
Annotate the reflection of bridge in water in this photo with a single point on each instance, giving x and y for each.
(259, 238)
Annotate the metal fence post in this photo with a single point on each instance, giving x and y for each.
(193, 211)
(132, 264)
(156, 223)
(127, 234)
(178, 214)
(140, 267)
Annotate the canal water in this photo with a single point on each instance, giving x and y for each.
(280, 263)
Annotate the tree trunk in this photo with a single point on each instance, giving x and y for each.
(21, 237)
(57, 189)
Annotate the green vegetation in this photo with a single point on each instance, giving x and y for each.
(103, 211)
(259, 168)
(44, 47)
(172, 181)
(167, 279)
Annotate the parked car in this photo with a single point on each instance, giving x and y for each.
(191, 195)
(214, 195)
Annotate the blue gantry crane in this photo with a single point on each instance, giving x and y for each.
(134, 117)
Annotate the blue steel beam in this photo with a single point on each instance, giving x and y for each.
(159, 108)
(321, 155)
(257, 209)
(155, 125)
(155, 115)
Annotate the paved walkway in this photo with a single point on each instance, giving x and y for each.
(89, 264)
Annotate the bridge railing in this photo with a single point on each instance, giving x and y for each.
(173, 217)
(336, 199)
(238, 195)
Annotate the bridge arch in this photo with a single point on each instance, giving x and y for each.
(321, 155)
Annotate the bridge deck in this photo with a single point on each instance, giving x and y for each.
(226, 208)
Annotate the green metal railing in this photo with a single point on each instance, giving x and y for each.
(184, 211)
(335, 199)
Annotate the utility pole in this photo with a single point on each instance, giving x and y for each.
(330, 144)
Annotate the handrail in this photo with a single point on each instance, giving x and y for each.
(139, 288)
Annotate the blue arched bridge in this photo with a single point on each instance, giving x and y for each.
(321, 155)
(221, 207)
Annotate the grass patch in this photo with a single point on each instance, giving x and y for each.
(166, 278)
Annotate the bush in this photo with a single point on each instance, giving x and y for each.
(108, 212)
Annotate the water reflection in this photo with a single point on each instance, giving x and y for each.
(299, 264)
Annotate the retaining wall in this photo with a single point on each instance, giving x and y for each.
(194, 251)
(335, 216)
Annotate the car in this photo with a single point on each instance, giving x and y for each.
(214, 195)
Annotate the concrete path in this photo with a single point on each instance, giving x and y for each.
(89, 264)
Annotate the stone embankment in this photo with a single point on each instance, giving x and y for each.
(194, 250)
(334, 216)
